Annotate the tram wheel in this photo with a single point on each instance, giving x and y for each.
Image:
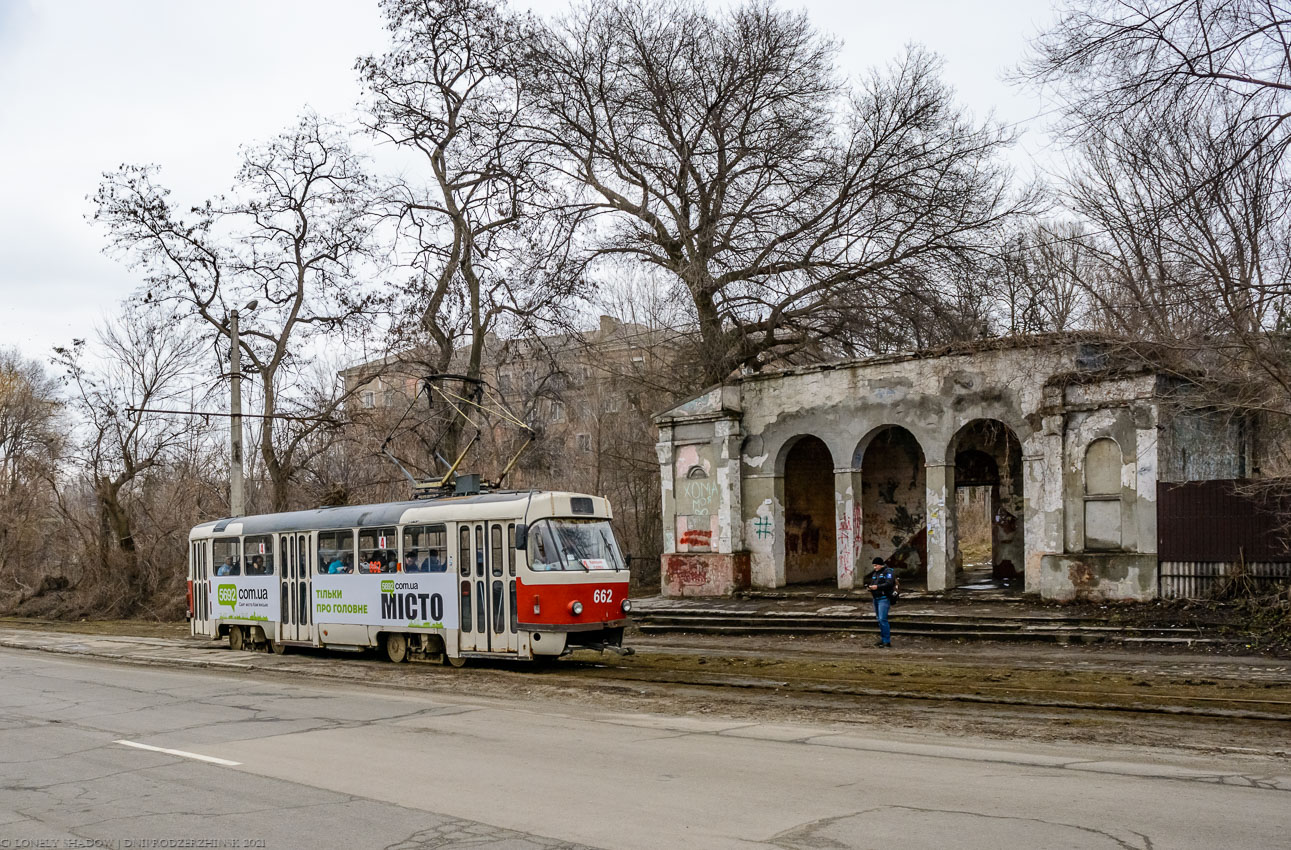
(459, 661)
(237, 640)
(396, 647)
(278, 647)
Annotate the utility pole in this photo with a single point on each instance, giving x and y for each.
(236, 506)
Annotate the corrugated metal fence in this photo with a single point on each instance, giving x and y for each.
(1206, 530)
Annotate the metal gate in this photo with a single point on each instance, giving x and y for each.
(1206, 530)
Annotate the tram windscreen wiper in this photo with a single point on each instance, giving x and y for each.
(609, 547)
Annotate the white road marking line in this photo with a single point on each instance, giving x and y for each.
(180, 753)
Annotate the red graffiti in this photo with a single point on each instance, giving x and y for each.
(696, 537)
(686, 573)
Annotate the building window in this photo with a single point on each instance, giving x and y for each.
(613, 404)
(1103, 495)
(557, 411)
(368, 399)
(388, 398)
(584, 442)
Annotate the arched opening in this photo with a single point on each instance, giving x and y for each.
(989, 545)
(1103, 496)
(893, 505)
(809, 545)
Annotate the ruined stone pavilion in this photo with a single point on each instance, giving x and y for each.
(804, 475)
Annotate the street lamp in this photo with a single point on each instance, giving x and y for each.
(236, 503)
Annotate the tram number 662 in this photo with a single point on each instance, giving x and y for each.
(605, 595)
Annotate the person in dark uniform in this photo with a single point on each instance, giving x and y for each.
(882, 581)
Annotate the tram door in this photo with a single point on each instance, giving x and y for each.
(199, 573)
(296, 610)
(501, 589)
(483, 581)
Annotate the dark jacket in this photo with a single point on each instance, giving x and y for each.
(884, 578)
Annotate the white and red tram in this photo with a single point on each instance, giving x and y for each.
(502, 574)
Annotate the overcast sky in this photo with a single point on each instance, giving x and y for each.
(86, 85)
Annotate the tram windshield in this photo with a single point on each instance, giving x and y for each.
(573, 544)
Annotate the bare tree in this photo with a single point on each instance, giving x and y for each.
(1038, 284)
(291, 238)
(31, 445)
(144, 360)
(1116, 60)
(724, 149)
(488, 242)
(1208, 269)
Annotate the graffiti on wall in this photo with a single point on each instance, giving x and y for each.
(687, 573)
(697, 537)
(846, 557)
(700, 497)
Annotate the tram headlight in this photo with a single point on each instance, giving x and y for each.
(576, 608)
(626, 606)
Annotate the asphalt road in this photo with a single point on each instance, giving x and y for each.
(250, 761)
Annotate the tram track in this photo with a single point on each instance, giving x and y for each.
(661, 670)
(784, 675)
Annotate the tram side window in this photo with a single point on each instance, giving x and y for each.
(228, 556)
(259, 554)
(336, 551)
(464, 549)
(425, 549)
(377, 549)
(511, 547)
(495, 540)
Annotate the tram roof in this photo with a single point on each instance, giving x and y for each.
(351, 516)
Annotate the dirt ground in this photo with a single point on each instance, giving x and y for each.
(134, 628)
(1176, 700)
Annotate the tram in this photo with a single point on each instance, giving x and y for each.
(515, 574)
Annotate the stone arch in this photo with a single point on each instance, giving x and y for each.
(987, 508)
(893, 502)
(810, 548)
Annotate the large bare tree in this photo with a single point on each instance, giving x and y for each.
(483, 231)
(1178, 111)
(292, 238)
(725, 149)
(1115, 60)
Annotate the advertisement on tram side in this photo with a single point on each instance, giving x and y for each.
(410, 601)
(244, 598)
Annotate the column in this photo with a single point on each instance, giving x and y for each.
(940, 485)
(1042, 473)
(727, 439)
(847, 524)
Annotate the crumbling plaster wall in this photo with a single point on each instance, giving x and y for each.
(1205, 445)
(1049, 396)
(1123, 410)
(932, 398)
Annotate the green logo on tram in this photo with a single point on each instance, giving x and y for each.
(387, 585)
(227, 594)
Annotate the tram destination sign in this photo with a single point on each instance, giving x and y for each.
(412, 601)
